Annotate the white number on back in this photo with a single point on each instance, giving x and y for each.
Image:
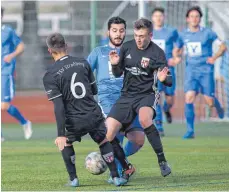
(74, 85)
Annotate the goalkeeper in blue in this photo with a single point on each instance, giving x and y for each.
(199, 71)
(109, 87)
(165, 37)
(12, 46)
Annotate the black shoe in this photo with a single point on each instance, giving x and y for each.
(168, 117)
(165, 169)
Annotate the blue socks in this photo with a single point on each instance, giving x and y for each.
(218, 107)
(13, 111)
(166, 106)
(131, 148)
(190, 116)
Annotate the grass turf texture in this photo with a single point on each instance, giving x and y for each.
(199, 164)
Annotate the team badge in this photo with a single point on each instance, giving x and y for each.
(109, 157)
(145, 62)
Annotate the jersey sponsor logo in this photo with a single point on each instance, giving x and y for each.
(160, 43)
(145, 62)
(136, 71)
(128, 56)
(194, 49)
(109, 157)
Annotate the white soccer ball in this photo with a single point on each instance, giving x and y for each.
(95, 164)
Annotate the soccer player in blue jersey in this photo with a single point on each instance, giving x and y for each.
(109, 87)
(165, 37)
(12, 46)
(199, 73)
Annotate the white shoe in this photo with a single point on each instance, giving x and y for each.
(3, 139)
(27, 130)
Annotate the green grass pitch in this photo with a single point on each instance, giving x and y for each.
(199, 164)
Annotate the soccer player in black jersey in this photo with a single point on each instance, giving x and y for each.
(70, 84)
(143, 64)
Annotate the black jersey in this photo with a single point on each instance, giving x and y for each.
(72, 79)
(140, 67)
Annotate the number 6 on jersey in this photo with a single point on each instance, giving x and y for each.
(74, 85)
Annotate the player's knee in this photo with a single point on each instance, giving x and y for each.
(189, 98)
(137, 137)
(145, 121)
(169, 100)
(140, 139)
(113, 127)
(145, 116)
(210, 102)
(5, 106)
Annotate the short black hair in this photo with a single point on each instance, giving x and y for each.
(143, 23)
(160, 9)
(2, 11)
(56, 42)
(194, 8)
(116, 20)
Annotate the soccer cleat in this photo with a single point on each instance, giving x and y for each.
(168, 117)
(110, 180)
(73, 183)
(119, 181)
(165, 169)
(189, 135)
(221, 113)
(27, 130)
(127, 173)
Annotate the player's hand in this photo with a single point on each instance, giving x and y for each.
(174, 61)
(162, 74)
(114, 57)
(61, 142)
(211, 60)
(8, 58)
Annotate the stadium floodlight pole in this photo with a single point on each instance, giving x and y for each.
(93, 23)
(141, 8)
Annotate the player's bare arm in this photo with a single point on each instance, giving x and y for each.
(176, 59)
(19, 50)
(60, 121)
(219, 53)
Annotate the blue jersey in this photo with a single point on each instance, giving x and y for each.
(198, 47)
(165, 38)
(10, 41)
(109, 87)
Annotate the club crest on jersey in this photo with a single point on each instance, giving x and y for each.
(145, 62)
(109, 157)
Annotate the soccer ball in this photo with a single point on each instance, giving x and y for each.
(95, 164)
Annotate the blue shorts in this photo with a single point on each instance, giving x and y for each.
(203, 83)
(135, 125)
(170, 91)
(7, 88)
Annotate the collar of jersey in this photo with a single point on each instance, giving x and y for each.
(200, 29)
(62, 58)
(163, 27)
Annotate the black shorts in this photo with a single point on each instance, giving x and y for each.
(96, 129)
(126, 108)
